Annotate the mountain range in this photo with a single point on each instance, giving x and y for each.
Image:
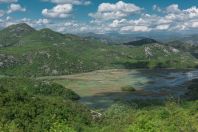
(25, 51)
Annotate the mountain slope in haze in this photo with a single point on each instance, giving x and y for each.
(46, 52)
(185, 43)
(112, 38)
(191, 39)
(141, 42)
(12, 34)
(186, 46)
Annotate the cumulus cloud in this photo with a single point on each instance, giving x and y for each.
(2, 12)
(162, 27)
(8, 1)
(135, 29)
(42, 21)
(107, 11)
(59, 11)
(74, 2)
(174, 8)
(118, 18)
(15, 8)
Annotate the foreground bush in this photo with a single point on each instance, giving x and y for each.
(35, 87)
(133, 117)
(24, 109)
(36, 106)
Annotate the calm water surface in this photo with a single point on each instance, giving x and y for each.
(150, 84)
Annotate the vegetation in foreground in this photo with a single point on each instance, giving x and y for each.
(29, 105)
(25, 107)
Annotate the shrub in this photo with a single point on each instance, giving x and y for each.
(128, 88)
(61, 127)
(53, 89)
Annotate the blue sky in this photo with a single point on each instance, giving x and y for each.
(102, 16)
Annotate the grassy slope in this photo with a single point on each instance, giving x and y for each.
(39, 59)
(10, 36)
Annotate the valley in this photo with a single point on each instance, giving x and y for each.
(100, 89)
(50, 81)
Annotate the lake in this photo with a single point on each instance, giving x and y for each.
(99, 89)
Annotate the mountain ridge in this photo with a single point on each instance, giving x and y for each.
(141, 42)
(45, 52)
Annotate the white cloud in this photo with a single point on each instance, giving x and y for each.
(108, 11)
(174, 8)
(135, 29)
(2, 12)
(194, 24)
(8, 1)
(191, 12)
(119, 17)
(42, 21)
(172, 18)
(15, 8)
(117, 23)
(157, 8)
(74, 2)
(162, 27)
(59, 11)
(119, 6)
(8, 18)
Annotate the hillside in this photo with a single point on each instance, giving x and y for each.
(141, 42)
(191, 39)
(12, 34)
(46, 52)
(185, 46)
(30, 105)
(33, 106)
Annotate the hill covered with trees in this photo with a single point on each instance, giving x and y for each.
(38, 53)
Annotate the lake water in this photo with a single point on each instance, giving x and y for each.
(150, 84)
(99, 89)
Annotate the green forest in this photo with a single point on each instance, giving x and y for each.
(28, 105)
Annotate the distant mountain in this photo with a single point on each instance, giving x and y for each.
(20, 34)
(141, 42)
(185, 39)
(45, 52)
(12, 34)
(192, 39)
(118, 38)
(112, 38)
(186, 45)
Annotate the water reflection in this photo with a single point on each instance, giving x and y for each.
(150, 84)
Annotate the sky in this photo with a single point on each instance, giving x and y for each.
(102, 16)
